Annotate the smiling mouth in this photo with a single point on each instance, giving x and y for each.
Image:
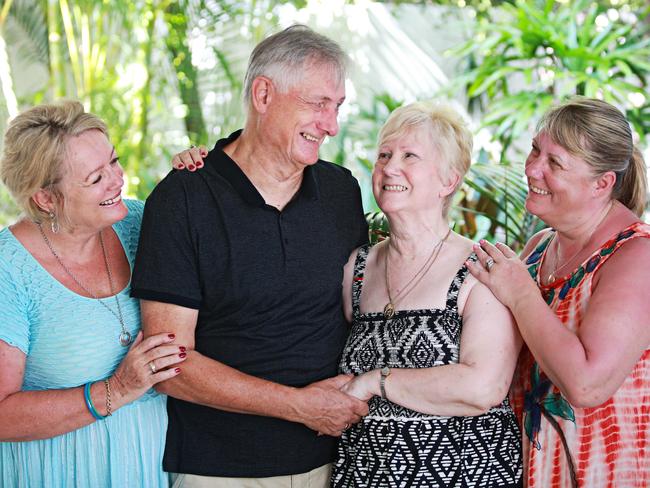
(395, 188)
(111, 201)
(309, 137)
(538, 191)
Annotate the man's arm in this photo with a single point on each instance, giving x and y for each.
(320, 406)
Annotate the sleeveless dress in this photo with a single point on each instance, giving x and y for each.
(608, 445)
(70, 340)
(397, 447)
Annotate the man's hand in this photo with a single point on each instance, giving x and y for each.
(324, 408)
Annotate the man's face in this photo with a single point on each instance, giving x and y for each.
(298, 121)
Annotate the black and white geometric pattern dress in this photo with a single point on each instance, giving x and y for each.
(397, 447)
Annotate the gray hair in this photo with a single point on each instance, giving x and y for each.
(284, 56)
(599, 133)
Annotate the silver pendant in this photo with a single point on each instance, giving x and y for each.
(125, 338)
(389, 310)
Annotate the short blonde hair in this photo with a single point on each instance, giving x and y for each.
(35, 149)
(599, 133)
(449, 135)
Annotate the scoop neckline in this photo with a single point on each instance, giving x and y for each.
(42, 268)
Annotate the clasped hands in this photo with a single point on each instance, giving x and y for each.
(330, 406)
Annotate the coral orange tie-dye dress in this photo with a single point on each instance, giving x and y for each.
(609, 445)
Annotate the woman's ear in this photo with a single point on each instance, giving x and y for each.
(453, 180)
(604, 183)
(45, 200)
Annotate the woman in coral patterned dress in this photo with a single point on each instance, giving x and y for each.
(583, 383)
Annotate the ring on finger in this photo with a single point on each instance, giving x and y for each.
(152, 367)
(489, 263)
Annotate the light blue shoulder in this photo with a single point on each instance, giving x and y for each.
(14, 306)
(128, 229)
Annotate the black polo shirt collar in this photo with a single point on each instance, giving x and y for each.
(228, 169)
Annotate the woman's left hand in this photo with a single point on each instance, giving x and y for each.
(500, 269)
(361, 386)
(190, 159)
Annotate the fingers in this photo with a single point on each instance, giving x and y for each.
(478, 271)
(359, 410)
(506, 251)
(154, 341)
(489, 249)
(163, 357)
(339, 381)
(190, 159)
(164, 375)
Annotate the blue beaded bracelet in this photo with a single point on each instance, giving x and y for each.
(89, 403)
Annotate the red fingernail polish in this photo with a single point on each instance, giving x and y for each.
(182, 355)
(181, 348)
(171, 336)
(199, 165)
(191, 167)
(177, 370)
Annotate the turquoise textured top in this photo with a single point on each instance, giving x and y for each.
(70, 340)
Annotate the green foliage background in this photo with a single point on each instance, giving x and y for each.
(138, 65)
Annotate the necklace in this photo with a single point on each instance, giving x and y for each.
(552, 276)
(125, 337)
(389, 309)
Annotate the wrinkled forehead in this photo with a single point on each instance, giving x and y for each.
(85, 150)
(316, 75)
(418, 132)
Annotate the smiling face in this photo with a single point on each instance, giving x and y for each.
(296, 122)
(92, 183)
(410, 174)
(559, 184)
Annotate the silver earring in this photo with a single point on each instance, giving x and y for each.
(54, 223)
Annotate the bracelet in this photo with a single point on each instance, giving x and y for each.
(383, 374)
(109, 409)
(89, 403)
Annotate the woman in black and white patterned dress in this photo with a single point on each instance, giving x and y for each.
(432, 350)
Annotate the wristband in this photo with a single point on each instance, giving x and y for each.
(384, 372)
(89, 403)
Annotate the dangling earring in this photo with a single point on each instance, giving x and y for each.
(54, 223)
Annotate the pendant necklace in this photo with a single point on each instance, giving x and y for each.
(389, 309)
(125, 337)
(552, 276)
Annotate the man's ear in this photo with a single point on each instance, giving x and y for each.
(262, 91)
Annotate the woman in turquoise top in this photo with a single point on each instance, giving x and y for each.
(76, 404)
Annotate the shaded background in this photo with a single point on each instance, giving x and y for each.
(166, 74)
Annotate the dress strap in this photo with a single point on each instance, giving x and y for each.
(456, 283)
(357, 278)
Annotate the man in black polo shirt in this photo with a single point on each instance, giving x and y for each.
(243, 261)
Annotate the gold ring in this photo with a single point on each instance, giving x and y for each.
(152, 367)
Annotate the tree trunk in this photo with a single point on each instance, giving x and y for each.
(186, 74)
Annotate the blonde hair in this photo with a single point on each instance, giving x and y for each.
(449, 135)
(35, 149)
(599, 133)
